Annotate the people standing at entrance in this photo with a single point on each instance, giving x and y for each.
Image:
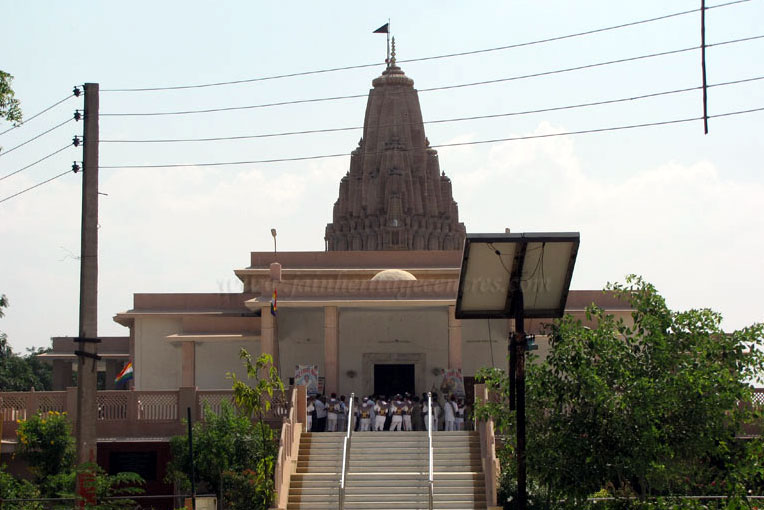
(320, 424)
(365, 411)
(460, 408)
(342, 416)
(332, 409)
(380, 410)
(397, 408)
(449, 413)
(435, 413)
(407, 412)
(311, 410)
(416, 415)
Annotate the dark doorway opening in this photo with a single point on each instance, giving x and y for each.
(392, 379)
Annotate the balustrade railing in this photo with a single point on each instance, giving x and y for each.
(127, 413)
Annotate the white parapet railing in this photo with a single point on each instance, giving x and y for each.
(491, 466)
(289, 445)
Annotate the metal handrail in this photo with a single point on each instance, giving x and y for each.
(345, 446)
(429, 438)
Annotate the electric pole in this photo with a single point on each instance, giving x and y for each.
(87, 357)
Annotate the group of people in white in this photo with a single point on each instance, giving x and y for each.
(376, 412)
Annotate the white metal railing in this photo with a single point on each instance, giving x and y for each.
(429, 439)
(345, 446)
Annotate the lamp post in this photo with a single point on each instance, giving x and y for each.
(273, 233)
(516, 276)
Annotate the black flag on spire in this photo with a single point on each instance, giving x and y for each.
(383, 29)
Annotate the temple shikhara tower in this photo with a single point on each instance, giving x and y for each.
(394, 197)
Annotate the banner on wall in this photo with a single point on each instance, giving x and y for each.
(307, 375)
(453, 383)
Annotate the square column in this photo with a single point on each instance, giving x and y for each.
(188, 364)
(454, 339)
(62, 374)
(268, 342)
(331, 350)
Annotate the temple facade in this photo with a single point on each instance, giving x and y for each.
(394, 196)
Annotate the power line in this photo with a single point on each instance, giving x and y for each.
(588, 66)
(422, 59)
(455, 144)
(38, 161)
(38, 114)
(439, 121)
(431, 89)
(35, 186)
(600, 130)
(3, 153)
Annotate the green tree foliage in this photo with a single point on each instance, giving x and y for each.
(112, 492)
(235, 451)
(10, 108)
(223, 442)
(46, 444)
(21, 373)
(13, 489)
(639, 408)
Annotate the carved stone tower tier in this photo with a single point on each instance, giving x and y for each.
(394, 197)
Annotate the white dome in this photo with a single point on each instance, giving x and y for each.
(393, 275)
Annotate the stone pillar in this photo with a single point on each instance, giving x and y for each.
(62, 374)
(188, 364)
(268, 334)
(454, 340)
(331, 350)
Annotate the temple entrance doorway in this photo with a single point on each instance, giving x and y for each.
(390, 379)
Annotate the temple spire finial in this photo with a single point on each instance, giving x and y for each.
(392, 53)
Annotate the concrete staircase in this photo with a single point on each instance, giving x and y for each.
(388, 470)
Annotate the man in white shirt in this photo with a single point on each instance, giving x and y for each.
(380, 410)
(397, 408)
(342, 416)
(365, 412)
(332, 409)
(449, 413)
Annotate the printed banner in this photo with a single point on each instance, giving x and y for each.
(453, 382)
(307, 375)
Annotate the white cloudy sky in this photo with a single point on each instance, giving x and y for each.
(681, 208)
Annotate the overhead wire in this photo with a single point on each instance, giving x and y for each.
(430, 89)
(34, 186)
(23, 123)
(437, 121)
(36, 162)
(444, 145)
(422, 59)
(3, 153)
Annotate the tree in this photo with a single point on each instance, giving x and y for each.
(46, 444)
(20, 373)
(645, 408)
(10, 108)
(235, 451)
(223, 442)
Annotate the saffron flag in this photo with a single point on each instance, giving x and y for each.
(383, 29)
(126, 374)
(273, 303)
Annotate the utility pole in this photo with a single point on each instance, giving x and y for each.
(87, 357)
